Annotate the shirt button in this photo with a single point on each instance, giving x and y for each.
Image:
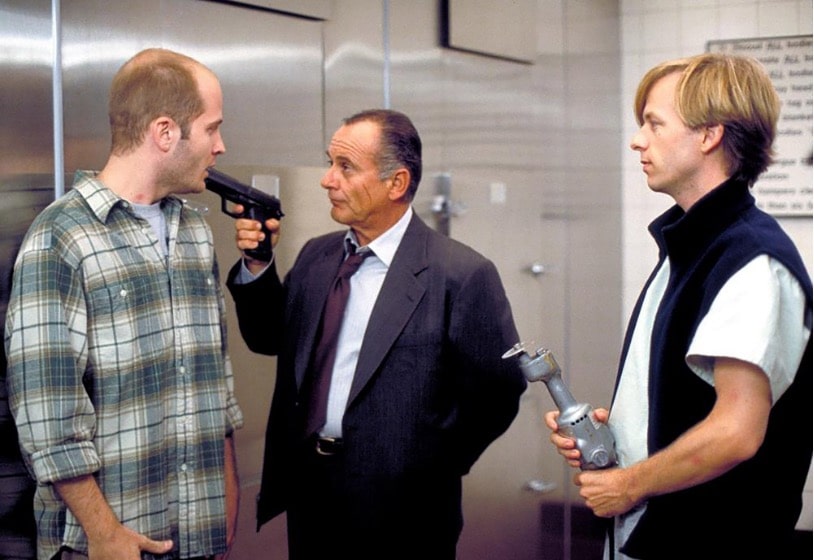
(209, 281)
(183, 370)
(123, 293)
(184, 467)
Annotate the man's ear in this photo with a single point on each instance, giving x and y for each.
(163, 133)
(399, 184)
(712, 137)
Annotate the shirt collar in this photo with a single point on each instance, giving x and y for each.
(385, 246)
(100, 198)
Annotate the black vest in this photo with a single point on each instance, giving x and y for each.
(752, 509)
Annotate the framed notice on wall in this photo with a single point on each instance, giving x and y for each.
(785, 189)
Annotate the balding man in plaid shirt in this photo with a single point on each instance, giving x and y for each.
(119, 378)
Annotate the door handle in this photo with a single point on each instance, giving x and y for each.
(540, 486)
(536, 269)
(443, 207)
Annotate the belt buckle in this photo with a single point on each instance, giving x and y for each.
(328, 446)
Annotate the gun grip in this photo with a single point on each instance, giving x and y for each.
(263, 252)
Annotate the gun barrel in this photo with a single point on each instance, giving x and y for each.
(235, 191)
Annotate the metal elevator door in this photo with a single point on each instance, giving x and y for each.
(520, 470)
(26, 187)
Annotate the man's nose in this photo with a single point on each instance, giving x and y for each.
(327, 180)
(220, 145)
(637, 143)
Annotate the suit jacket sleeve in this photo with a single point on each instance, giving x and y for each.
(260, 307)
(481, 329)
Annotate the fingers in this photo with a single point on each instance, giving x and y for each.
(602, 414)
(605, 491)
(124, 542)
(551, 419)
(273, 225)
(565, 445)
(155, 547)
(561, 442)
(249, 233)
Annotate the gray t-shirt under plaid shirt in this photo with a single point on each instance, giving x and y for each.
(118, 367)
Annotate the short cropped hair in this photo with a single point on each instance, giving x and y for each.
(152, 84)
(733, 91)
(400, 144)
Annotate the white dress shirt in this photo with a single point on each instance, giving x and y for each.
(365, 286)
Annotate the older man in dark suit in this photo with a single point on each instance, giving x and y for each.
(416, 387)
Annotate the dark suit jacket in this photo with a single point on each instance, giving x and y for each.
(430, 391)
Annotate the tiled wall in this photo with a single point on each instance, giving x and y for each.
(656, 30)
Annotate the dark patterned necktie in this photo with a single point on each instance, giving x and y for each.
(325, 353)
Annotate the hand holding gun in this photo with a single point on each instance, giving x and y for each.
(256, 204)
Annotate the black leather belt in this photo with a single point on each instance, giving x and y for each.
(327, 446)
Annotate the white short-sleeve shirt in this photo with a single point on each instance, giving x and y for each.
(757, 317)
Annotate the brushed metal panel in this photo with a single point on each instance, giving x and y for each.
(270, 67)
(354, 61)
(493, 27)
(320, 9)
(538, 130)
(26, 186)
(26, 129)
(97, 37)
(26, 123)
(22, 197)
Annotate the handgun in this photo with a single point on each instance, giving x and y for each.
(257, 205)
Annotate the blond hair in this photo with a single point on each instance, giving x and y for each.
(729, 90)
(152, 84)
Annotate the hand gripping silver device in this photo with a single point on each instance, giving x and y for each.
(576, 420)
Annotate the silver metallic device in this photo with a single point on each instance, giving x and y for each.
(576, 420)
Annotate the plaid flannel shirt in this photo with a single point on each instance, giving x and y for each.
(118, 368)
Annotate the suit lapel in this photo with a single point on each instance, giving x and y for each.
(401, 293)
(317, 283)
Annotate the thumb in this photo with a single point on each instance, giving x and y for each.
(551, 419)
(155, 547)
